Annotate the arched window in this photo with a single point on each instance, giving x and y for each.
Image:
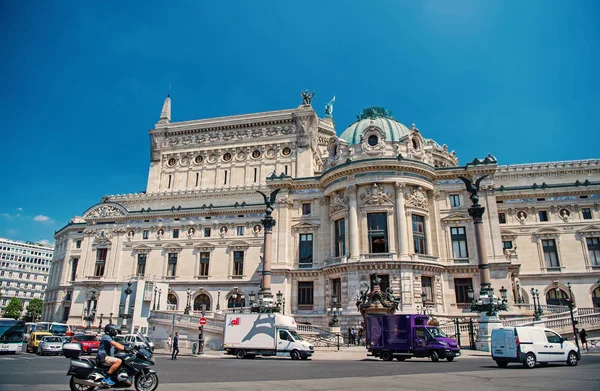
(596, 298)
(171, 302)
(556, 297)
(201, 299)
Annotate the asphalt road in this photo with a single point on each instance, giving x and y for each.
(30, 372)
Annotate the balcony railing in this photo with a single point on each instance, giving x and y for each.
(336, 260)
(378, 257)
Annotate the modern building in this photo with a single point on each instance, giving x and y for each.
(24, 268)
(375, 198)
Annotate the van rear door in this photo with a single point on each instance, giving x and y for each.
(503, 343)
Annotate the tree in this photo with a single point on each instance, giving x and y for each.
(34, 310)
(13, 308)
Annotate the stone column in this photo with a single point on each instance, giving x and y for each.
(476, 211)
(354, 237)
(268, 223)
(402, 232)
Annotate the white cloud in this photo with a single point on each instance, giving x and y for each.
(20, 209)
(44, 241)
(11, 232)
(41, 218)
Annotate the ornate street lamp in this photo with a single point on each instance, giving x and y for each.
(234, 296)
(187, 306)
(110, 318)
(571, 305)
(91, 311)
(123, 314)
(424, 300)
(159, 293)
(218, 308)
(537, 308)
(155, 292)
(261, 306)
(100, 325)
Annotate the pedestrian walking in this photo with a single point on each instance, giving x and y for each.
(349, 336)
(583, 337)
(359, 335)
(175, 347)
(354, 336)
(170, 342)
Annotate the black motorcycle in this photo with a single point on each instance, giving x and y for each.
(87, 374)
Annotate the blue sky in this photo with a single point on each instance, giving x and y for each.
(82, 82)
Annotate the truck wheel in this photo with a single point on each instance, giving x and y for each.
(435, 356)
(240, 354)
(572, 359)
(387, 356)
(400, 358)
(529, 361)
(502, 364)
(450, 359)
(295, 355)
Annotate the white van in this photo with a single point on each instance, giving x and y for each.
(530, 345)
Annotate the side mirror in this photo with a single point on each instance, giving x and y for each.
(563, 339)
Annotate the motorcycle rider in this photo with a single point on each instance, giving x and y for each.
(106, 352)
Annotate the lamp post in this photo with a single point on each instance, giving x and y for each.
(424, 300)
(235, 296)
(110, 317)
(159, 293)
(537, 308)
(571, 305)
(218, 308)
(268, 223)
(123, 307)
(91, 310)
(100, 325)
(487, 304)
(187, 306)
(334, 310)
(154, 304)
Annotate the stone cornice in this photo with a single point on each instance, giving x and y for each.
(569, 166)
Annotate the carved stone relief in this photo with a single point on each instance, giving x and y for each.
(417, 198)
(338, 202)
(376, 195)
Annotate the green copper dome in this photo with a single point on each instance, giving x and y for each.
(378, 117)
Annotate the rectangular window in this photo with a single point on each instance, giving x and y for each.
(145, 234)
(306, 249)
(586, 213)
(550, 253)
(306, 209)
(207, 232)
(175, 234)
(240, 231)
(74, 263)
(172, 265)
(204, 262)
(336, 290)
(502, 218)
(305, 293)
(459, 242)
(141, 264)
(454, 200)
(419, 237)
(377, 226)
(543, 215)
(78, 244)
(255, 174)
(100, 261)
(340, 237)
(507, 245)
(461, 286)
(593, 245)
(427, 288)
(238, 263)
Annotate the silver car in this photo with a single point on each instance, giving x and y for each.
(50, 345)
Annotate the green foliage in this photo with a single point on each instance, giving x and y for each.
(34, 310)
(13, 308)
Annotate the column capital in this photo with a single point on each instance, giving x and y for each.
(352, 189)
(399, 186)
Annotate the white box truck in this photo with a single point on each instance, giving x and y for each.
(249, 335)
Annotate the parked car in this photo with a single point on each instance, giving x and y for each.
(121, 339)
(89, 343)
(34, 340)
(50, 345)
(531, 345)
(136, 340)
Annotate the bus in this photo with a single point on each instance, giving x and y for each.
(11, 335)
(52, 327)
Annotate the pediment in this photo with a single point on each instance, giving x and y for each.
(305, 226)
(105, 210)
(456, 217)
(204, 246)
(238, 244)
(173, 247)
(592, 229)
(547, 231)
(142, 247)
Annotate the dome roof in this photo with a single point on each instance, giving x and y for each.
(378, 117)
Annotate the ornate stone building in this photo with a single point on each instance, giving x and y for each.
(379, 198)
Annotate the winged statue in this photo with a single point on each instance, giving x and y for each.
(269, 200)
(473, 189)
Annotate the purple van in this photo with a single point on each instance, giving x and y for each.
(406, 336)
